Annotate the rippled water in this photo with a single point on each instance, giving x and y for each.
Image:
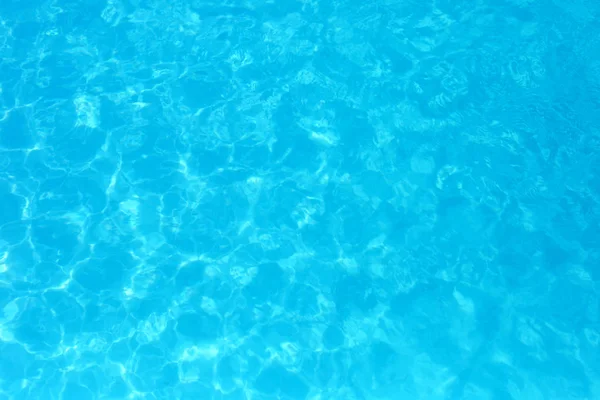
(299, 199)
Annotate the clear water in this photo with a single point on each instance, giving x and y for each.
(299, 199)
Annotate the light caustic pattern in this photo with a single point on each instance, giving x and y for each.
(299, 199)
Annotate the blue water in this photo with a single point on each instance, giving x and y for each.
(260, 200)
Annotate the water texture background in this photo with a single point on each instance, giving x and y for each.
(299, 199)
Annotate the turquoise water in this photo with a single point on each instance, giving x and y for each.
(299, 200)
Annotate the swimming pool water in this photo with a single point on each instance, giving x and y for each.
(299, 199)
